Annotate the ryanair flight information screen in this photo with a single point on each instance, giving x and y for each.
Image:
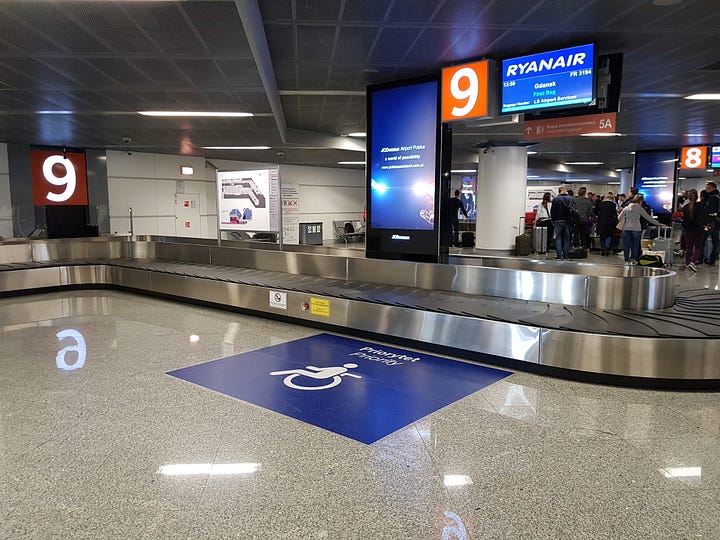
(547, 80)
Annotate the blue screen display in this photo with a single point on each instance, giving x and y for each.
(551, 79)
(715, 157)
(655, 178)
(403, 157)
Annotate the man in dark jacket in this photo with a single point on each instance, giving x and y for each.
(456, 205)
(712, 207)
(560, 213)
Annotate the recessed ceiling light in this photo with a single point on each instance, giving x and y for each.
(531, 152)
(351, 163)
(463, 170)
(601, 134)
(218, 114)
(663, 3)
(533, 176)
(703, 96)
(584, 162)
(236, 147)
(357, 134)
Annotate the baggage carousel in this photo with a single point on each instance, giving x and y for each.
(602, 323)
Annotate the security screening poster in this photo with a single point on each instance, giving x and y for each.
(358, 389)
(248, 200)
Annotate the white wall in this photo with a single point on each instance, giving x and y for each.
(6, 230)
(148, 183)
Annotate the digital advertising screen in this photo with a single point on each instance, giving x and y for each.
(403, 163)
(655, 178)
(715, 157)
(561, 78)
(248, 200)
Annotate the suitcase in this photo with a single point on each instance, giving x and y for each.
(523, 245)
(523, 241)
(664, 243)
(468, 239)
(539, 239)
(577, 252)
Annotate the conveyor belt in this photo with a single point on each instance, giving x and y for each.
(696, 313)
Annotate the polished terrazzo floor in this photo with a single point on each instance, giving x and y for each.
(82, 451)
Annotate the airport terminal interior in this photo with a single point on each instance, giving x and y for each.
(208, 330)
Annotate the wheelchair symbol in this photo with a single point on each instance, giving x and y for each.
(335, 373)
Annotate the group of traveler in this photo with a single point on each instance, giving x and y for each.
(571, 219)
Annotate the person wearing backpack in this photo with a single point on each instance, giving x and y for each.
(562, 212)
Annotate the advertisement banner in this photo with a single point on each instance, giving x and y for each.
(248, 200)
(655, 178)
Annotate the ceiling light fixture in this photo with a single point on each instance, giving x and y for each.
(601, 134)
(186, 171)
(351, 163)
(236, 147)
(463, 171)
(198, 114)
(584, 162)
(357, 134)
(703, 96)
(533, 176)
(531, 152)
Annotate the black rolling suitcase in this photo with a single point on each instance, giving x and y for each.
(468, 239)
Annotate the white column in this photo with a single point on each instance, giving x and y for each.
(501, 193)
(626, 180)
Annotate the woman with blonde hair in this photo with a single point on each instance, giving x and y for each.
(629, 224)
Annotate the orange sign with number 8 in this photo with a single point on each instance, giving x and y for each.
(693, 157)
(465, 91)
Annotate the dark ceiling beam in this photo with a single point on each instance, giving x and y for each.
(255, 33)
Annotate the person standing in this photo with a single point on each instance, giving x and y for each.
(560, 214)
(454, 207)
(606, 223)
(543, 219)
(713, 211)
(629, 223)
(695, 223)
(584, 208)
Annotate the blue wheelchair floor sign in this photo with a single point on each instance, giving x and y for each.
(358, 389)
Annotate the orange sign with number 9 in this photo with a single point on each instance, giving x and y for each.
(465, 91)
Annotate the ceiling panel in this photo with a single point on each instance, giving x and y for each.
(327, 10)
(362, 10)
(274, 10)
(393, 44)
(315, 43)
(219, 26)
(354, 44)
(164, 24)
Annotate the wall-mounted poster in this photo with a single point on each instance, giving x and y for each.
(248, 200)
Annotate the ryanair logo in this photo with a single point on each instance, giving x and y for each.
(546, 64)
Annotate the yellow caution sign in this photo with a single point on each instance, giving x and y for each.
(320, 306)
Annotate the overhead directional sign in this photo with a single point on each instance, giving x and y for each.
(358, 389)
(570, 126)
